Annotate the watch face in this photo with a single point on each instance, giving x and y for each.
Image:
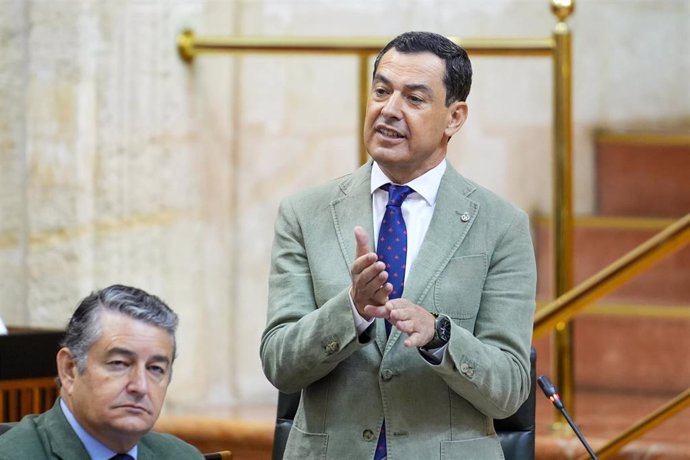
(443, 328)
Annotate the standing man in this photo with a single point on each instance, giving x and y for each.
(450, 273)
(114, 369)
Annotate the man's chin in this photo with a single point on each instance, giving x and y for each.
(134, 422)
(384, 154)
(133, 425)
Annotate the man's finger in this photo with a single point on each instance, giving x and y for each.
(363, 262)
(376, 312)
(362, 240)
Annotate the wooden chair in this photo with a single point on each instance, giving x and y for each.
(27, 374)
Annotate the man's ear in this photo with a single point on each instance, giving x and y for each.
(457, 115)
(66, 367)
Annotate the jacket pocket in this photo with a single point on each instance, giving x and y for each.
(486, 448)
(458, 290)
(301, 445)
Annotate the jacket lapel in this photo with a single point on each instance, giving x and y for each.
(351, 208)
(64, 442)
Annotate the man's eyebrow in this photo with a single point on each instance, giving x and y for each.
(420, 87)
(160, 359)
(121, 351)
(410, 87)
(130, 354)
(382, 79)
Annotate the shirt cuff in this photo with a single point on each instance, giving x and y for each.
(435, 355)
(361, 324)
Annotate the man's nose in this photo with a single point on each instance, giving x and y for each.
(138, 382)
(392, 106)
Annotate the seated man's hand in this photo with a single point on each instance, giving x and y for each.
(369, 286)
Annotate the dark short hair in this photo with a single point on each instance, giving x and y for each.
(84, 327)
(458, 77)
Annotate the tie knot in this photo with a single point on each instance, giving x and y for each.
(121, 457)
(396, 193)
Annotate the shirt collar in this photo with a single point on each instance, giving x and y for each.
(425, 185)
(96, 450)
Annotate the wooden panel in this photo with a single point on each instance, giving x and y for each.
(21, 397)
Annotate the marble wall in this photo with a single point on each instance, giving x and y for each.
(121, 163)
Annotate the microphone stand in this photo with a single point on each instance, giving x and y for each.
(549, 390)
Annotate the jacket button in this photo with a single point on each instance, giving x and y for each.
(386, 375)
(332, 347)
(368, 435)
(466, 369)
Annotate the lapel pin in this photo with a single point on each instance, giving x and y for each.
(465, 216)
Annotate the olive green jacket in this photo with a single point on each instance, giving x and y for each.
(50, 436)
(476, 265)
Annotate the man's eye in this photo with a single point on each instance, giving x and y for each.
(379, 92)
(117, 364)
(158, 370)
(416, 99)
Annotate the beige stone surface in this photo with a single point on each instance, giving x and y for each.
(121, 163)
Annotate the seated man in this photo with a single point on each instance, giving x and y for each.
(114, 368)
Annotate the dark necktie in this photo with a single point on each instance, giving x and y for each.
(121, 457)
(392, 250)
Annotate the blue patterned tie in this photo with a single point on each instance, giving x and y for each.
(392, 250)
(392, 244)
(121, 457)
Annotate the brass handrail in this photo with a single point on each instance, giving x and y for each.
(636, 261)
(645, 424)
(189, 45)
(561, 310)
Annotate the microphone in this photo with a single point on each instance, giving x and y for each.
(549, 390)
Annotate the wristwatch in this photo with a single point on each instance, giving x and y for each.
(442, 333)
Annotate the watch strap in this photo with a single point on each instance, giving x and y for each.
(436, 341)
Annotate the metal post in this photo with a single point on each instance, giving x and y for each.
(363, 94)
(562, 349)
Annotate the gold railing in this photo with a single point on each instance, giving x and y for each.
(669, 240)
(557, 47)
(646, 424)
(189, 46)
(561, 310)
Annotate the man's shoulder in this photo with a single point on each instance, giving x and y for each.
(163, 445)
(332, 189)
(491, 202)
(22, 441)
(41, 436)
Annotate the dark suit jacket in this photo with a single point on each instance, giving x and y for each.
(476, 265)
(50, 436)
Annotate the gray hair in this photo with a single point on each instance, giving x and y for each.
(84, 328)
